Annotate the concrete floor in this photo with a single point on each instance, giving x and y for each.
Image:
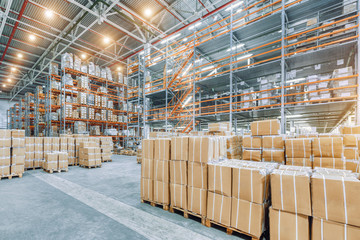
(102, 203)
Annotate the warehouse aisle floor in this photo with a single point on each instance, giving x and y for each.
(102, 203)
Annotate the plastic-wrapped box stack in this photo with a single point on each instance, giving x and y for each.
(252, 148)
(83, 112)
(234, 147)
(55, 144)
(56, 161)
(46, 148)
(39, 152)
(273, 149)
(63, 144)
(178, 172)
(147, 170)
(89, 154)
(97, 101)
(335, 204)
(17, 152)
(71, 151)
(291, 203)
(91, 113)
(78, 140)
(5, 145)
(250, 195)
(29, 152)
(106, 146)
(83, 82)
(103, 101)
(328, 152)
(299, 152)
(201, 151)
(81, 98)
(351, 153)
(161, 171)
(247, 98)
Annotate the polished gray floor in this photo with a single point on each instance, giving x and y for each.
(102, 203)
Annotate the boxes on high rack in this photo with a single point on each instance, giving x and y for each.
(285, 225)
(265, 127)
(335, 197)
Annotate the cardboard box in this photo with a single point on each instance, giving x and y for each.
(265, 127)
(304, 162)
(5, 142)
(298, 148)
(29, 163)
(273, 156)
(252, 155)
(5, 161)
(197, 175)
(336, 163)
(148, 148)
(178, 196)
(162, 149)
(55, 144)
(250, 184)
(17, 169)
(329, 230)
(290, 191)
(349, 129)
(197, 199)
(351, 153)
(147, 168)
(180, 148)
(5, 152)
(17, 133)
(161, 192)
(50, 165)
(219, 208)
(162, 172)
(201, 149)
(252, 142)
(273, 142)
(147, 189)
(18, 142)
(350, 141)
(29, 141)
(30, 148)
(248, 217)
(219, 126)
(285, 225)
(336, 198)
(18, 156)
(178, 172)
(331, 147)
(352, 165)
(87, 144)
(4, 170)
(219, 179)
(234, 147)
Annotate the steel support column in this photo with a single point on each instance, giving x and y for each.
(231, 65)
(283, 72)
(357, 62)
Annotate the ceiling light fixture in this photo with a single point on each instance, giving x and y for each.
(19, 55)
(49, 13)
(13, 69)
(106, 40)
(9, 80)
(119, 68)
(83, 56)
(148, 12)
(4, 85)
(32, 37)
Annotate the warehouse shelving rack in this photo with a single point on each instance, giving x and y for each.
(220, 67)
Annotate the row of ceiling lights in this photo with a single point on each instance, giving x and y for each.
(49, 14)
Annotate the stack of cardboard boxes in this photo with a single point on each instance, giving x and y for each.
(273, 149)
(351, 153)
(46, 147)
(328, 152)
(72, 160)
(89, 154)
(252, 148)
(17, 152)
(291, 203)
(234, 147)
(56, 161)
(106, 146)
(29, 152)
(147, 170)
(161, 171)
(178, 172)
(39, 152)
(5, 159)
(335, 204)
(299, 152)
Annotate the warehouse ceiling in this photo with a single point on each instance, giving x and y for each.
(34, 33)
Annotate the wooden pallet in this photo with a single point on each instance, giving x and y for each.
(155, 204)
(94, 166)
(56, 170)
(229, 230)
(75, 164)
(11, 176)
(186, 214)
(108, 160)
(32, 168)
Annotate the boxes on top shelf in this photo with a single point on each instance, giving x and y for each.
(67, 61)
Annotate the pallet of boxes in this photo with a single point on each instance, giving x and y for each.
(56, 157)
(147, 171)
(12, 154)
(89, 155)
(106, 146)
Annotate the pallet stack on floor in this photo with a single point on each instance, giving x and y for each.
(89, 155)
(29, 152)
(106, 146)
(147, 171)
(56, 162)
